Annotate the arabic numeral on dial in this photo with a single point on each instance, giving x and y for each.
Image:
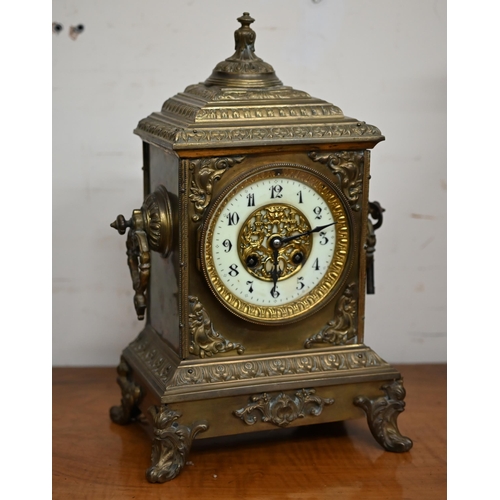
(276, 191)
(250, 290)
(233, 270)
(324, 239)
(274, 293)
(317, 212)
(251, 200)
(299, 194)
(232, 218)
(300, 283)
(316, 264)
(227, 245)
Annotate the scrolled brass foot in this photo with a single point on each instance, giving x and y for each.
(382, 414)
(171, 444)
(132, 395)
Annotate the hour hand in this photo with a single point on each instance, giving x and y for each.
(275, 272)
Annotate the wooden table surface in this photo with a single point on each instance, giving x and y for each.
(96, 459)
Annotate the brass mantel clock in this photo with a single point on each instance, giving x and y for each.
(250, 259)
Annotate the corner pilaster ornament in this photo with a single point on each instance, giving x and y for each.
(132, 394)
(382, 414)
(342, 328)
(282, 409)
(348, 166)
(171, 444)
(204, 173)
(205, 341)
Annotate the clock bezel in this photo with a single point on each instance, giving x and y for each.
(332, 280)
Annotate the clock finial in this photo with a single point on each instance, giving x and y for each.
(244, 37)
(244, 68)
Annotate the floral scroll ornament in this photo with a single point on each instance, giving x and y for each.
(342, 328)
(205, 341)
(348, 166)
(282, 409)
(205, 172)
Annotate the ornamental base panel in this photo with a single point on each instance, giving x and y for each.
(225, 405)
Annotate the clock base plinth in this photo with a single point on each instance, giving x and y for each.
(221, 396)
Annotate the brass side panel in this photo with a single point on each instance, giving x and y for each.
(145, 168)
(362, 250)
(163, 306)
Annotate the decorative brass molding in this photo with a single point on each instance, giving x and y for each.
(202, 91)
(171, 444)
(159, 129)
(230, 104)
(205, 172)
(282, 409)
(156, 362)
(256, 113)
(279, 367)
(275, 133)
(205, 341)
(382, 414)
(176, 107)
(239, 94)
(257, 65)
(200, 137)
(348, 166)
(343, 327)
(132, 394)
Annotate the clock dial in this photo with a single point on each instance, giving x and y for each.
(276, 243)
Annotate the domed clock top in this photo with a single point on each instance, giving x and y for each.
(243, 102)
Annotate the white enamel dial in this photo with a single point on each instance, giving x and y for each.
(276, 244)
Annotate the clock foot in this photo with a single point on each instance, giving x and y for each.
(171, 445)
(382, 414)
(132, 394)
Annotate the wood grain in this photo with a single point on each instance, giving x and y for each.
(96, 459)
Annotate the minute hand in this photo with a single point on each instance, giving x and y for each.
(315, 230)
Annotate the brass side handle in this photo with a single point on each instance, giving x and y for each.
(150, 228)
(375, 211)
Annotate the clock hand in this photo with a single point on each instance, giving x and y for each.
(315, 230)
(275, 271)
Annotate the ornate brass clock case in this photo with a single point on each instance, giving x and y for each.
(250, 260)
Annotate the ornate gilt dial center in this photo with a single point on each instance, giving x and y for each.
(262, 235)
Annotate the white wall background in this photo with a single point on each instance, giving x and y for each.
(383, 62)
